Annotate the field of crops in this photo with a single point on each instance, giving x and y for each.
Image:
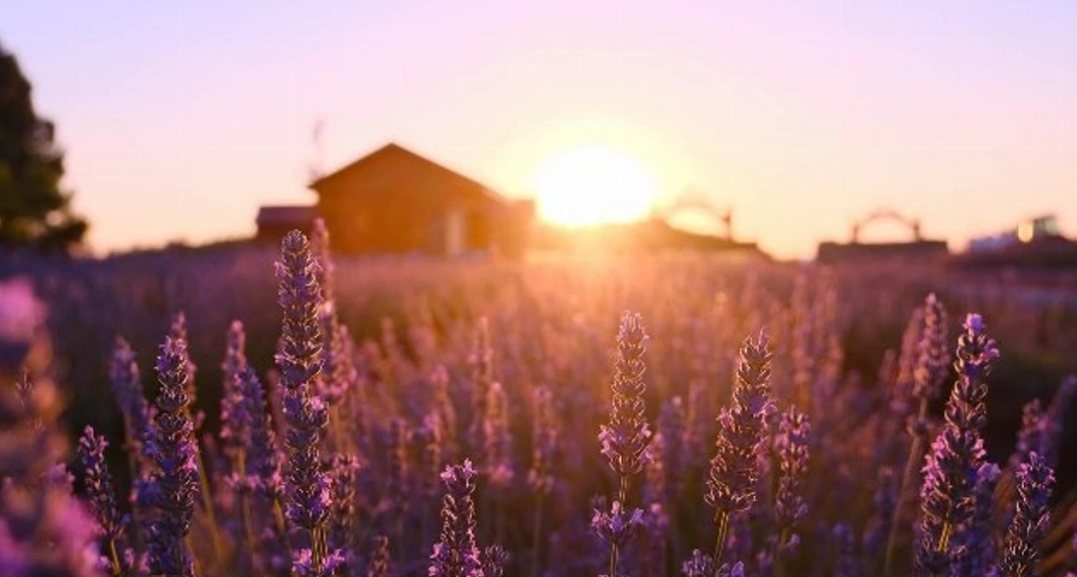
(265, 412)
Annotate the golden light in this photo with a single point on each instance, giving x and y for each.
(593, 185)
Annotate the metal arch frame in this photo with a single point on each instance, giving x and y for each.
(698, 203)
(912, 224)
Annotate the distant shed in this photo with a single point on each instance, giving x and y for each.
(396, 201)
(276, 221)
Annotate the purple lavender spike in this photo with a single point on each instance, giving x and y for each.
(1034, 482)
(456, 553)
(948, 493)
(173, 484)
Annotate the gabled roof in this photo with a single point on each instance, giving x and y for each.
(286, 215)
(393, 148)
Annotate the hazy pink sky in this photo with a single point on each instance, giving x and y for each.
(179, 121)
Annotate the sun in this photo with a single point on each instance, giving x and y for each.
(591, 185)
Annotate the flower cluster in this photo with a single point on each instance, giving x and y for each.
(456, 554)
(948, 494)
(1034, 482)
(173, 485)
(626, 438)
(733, 470)
(791, 445)
(300, 360)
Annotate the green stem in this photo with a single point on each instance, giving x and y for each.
(317, 548)
(906, 478)
(719, 542)
(615, 553)
(248, 527)
(117, 569)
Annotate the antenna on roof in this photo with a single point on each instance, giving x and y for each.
(316, 168)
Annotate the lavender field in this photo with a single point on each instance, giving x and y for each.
(248, 411)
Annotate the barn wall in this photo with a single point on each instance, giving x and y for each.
(396, 202)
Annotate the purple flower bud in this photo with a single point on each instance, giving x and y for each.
(617, 526)
(734, 469)
(98, 480)
(1034, 482)
(379, 561)
(792, 447)
(456, 553)
(627, 436)
(173, 484)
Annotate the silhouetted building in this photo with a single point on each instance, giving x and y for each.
(1033, 243)
(276, 221)
(918, 249)
(396, 201)
(1034, 230)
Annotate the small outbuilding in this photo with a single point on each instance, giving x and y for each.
(396, 201)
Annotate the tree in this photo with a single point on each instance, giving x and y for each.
(34, 211)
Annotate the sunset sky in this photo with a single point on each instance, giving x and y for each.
(180, 120)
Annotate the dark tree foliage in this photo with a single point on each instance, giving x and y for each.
(34, 211)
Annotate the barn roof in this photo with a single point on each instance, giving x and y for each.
(286, 215)
(395, 149)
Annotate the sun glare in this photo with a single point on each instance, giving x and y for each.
(593, 185)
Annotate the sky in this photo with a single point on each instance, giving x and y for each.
(180, 119)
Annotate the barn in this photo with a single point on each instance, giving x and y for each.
(396, 201)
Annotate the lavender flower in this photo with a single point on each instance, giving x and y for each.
(345, 473)
(616, 526)
(626, 438)
(497, 439)
(927, 377)
(494, 560)
(261, 461)
(173, 484)
(733, 470)
(976, 549)
(908, 357)
(700, 565)
(43, 529)
(178, 331)
(948, 496)
(446, 412)
(1034, 482)
(234, 436)
(933, 359)
(481, 361)
(1054, 425)
(540, 477)
(300, 297)
(792, 447)
(102, 498)
(338, 371)
(456, 553)
(379, 561)
(127, 388)
(672, 429)
(319, 248)
(300, 361)
(304, 563)
(428, 440)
